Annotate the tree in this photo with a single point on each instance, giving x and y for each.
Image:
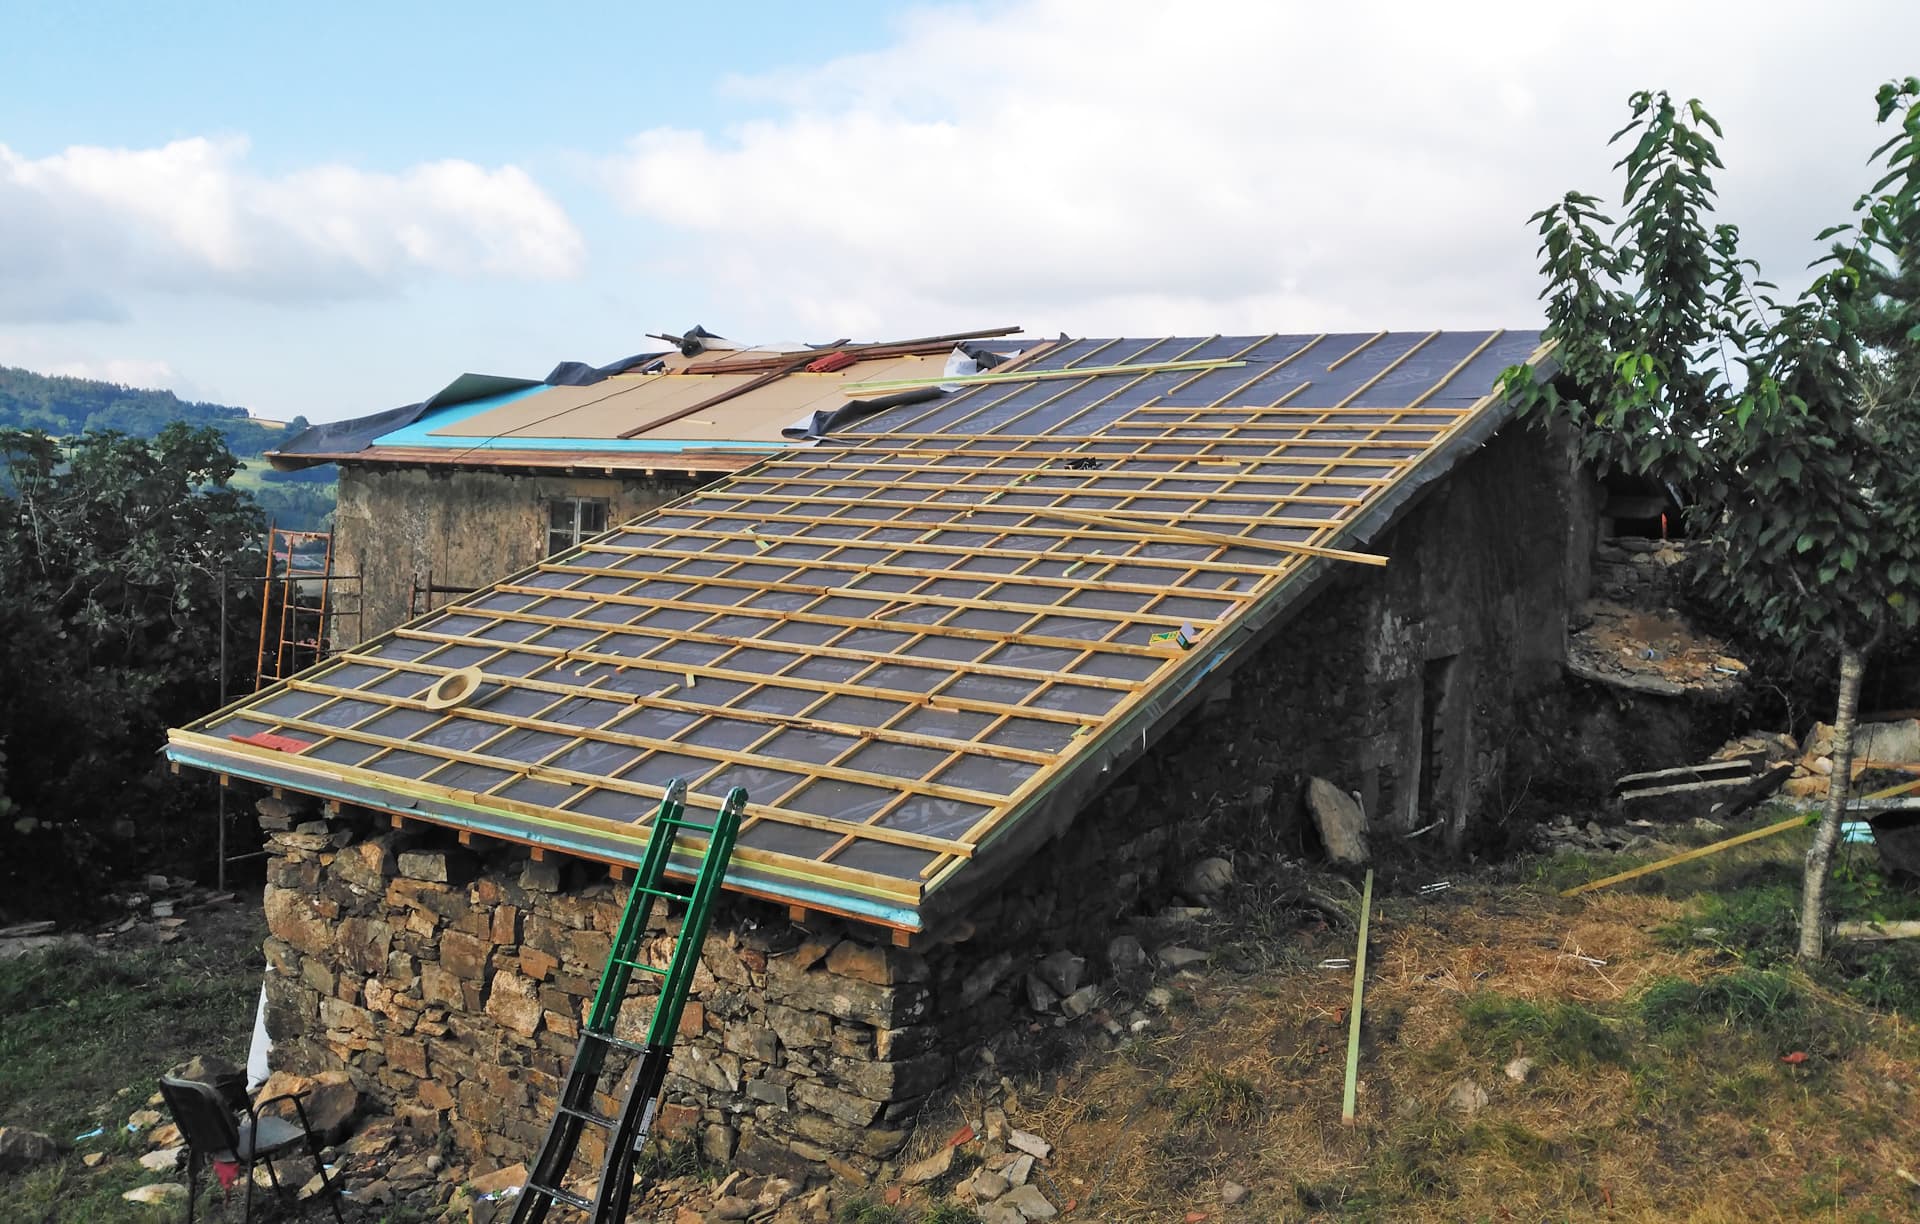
(111, 550)
(1795, 427)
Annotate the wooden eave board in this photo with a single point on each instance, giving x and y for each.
(897, 643)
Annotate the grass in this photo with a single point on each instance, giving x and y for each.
(664, 1159)
(1220, 1099)
(84, 1036)
(1665, 1083)
(863, 1210)
(1758, 1000)
(1497, 1027)
(75, 1021)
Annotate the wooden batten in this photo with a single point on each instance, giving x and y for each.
(929, 627)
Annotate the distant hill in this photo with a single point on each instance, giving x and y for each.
(66, 407)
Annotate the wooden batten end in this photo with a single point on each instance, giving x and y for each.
(225, 780)
(902, 939)
(397, 821)
(278, 792)
(617, 872)
(175, 767)
(797, 913)
(466, 837)
(537, 853)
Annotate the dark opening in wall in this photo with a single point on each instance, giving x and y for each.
(1642, 507)
(1440, 741)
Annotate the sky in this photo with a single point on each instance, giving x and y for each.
(331, 210)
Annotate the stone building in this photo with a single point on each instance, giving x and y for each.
(983, 663)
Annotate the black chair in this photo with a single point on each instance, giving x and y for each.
(214, 1132)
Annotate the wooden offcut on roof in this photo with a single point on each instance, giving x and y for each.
(899, 643)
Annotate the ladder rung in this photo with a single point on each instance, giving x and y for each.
(610, 1039)
(695, 825)
(657, 972)
(661, 892)
(562, 1196)
(587, 1115)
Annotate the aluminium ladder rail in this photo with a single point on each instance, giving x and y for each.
(626, 1134)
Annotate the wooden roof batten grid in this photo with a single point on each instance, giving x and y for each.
(1178, 492)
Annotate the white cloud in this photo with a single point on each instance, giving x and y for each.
(1103, 165)
(127, 371)
(45, 352)
(82, 228)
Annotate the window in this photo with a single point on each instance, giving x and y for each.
(573, 519)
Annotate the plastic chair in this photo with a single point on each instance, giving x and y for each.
(214, 1132)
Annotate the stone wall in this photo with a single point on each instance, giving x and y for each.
(1406, 684)
(451, 985)
(1641, 573)
(450, 982)
(395, 524)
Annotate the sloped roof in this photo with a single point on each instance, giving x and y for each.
(919, 646)
(715, 411)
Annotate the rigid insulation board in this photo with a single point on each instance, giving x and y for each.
(611, 409)
(900, 643)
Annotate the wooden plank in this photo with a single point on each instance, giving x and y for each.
(931, 629)
(1089, 483)
(1181, 567)
(1350, 1092)
(1178, 532)
(582, 655)
(1022, 576)
(869, 883)
(800, 652)
(996, 377)
(754, 384)
(718, 756)
(1460, 365)
(1109, 448)
(1792, 822)
(1870, 930)
(852, 592)
(761, 811)
(802, 720)
(992, 500)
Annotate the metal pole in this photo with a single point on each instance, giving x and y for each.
(220, 872)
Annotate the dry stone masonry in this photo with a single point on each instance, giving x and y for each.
(449, 983)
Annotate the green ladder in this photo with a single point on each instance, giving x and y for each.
(628, 1133)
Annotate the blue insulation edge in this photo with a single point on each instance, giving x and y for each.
(420, 433)
(508, 829)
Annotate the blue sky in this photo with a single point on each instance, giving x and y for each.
(332, 211)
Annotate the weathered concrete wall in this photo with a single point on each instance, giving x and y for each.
(451, 982)
(469, 528)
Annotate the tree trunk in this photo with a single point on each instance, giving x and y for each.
(1813, 895)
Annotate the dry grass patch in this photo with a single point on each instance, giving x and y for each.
(1658, 1091)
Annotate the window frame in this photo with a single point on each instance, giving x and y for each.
(574, 532)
